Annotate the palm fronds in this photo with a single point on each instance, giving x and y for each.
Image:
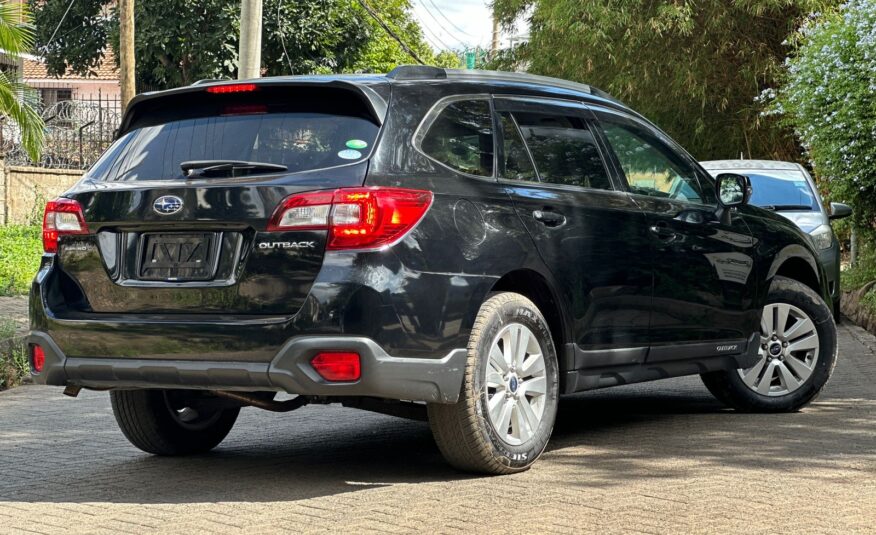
(16, 38)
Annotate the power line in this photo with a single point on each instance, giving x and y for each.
(282, 38)
(438, 9)
(431, 42)
(427, 10)
(392, 34)
(60, 22)
(434, 36)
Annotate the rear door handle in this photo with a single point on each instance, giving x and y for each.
(549, 219)
(662, 231)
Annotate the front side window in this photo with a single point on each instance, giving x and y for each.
(461, 137)
(563, 150)
(651, 167)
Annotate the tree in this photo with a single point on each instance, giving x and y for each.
(693, 68)
(383, 53)
(829, 98)
(178, 43)
(16, 38)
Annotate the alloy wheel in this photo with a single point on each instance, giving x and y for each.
(788, 352)
(515, 384)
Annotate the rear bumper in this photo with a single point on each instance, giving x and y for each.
(383, 375)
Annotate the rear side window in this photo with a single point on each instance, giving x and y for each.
(516, 163)
(461, 137)
(564, 150)
(310, 131)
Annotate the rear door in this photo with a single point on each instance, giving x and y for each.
(703, 292)
(590, 234)
(179, 225)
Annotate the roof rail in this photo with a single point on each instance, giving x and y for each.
(417, 72)
(520, 77)
(426, 72)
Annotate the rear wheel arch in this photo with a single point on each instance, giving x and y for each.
(536, 287)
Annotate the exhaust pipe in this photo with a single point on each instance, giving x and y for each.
(266, 404)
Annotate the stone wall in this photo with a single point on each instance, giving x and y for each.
(855, 310)
(25, 190)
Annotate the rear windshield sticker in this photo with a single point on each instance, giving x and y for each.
(356, 144)
(349, 154)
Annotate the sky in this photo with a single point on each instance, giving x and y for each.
(458, 23)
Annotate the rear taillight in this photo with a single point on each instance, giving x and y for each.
(37, 358)
(62, 217)
(356, 218)
(231, 88)
(337, 366)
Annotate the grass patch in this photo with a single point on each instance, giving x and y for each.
(20, 251)
(863, 272)
(869, 301)
(13, 357)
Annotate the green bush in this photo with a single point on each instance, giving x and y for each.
(20, 251)
(829, 98)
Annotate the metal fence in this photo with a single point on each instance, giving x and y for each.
(77, 130)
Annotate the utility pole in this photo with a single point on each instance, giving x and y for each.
(250, 64)
(127, 62)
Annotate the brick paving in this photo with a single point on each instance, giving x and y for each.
(662, 457)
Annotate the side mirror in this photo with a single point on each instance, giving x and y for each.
(732, 189)
(839, 210)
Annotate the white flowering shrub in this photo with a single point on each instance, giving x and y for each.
(829, 98)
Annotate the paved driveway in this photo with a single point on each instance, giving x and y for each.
(662, 457)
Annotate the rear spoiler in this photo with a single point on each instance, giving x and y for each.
(375, 103)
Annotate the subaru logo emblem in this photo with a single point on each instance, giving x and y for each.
(168, 204)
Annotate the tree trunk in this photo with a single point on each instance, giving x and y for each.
(250, 61)
(127, 62)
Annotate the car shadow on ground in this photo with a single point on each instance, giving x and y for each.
(614, 438)
(601, 438)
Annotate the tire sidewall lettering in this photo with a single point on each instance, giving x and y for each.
(513, 313)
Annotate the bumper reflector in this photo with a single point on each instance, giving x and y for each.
(37, 358)
(337, 366)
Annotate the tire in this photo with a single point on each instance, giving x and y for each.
(780, 383)
(160, 422)
(465, 431)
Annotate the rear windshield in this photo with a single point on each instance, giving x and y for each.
(300, 129)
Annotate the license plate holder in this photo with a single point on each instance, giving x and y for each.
(178, 257)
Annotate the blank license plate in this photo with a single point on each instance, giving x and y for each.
(178, 257)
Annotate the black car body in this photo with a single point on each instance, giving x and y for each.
(635, 270)
(788, 189)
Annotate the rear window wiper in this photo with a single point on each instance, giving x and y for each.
(232, 168)
(787, 207)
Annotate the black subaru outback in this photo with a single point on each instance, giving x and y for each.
(458, 245)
